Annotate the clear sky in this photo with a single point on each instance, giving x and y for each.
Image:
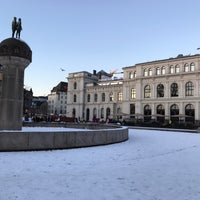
(83, 35)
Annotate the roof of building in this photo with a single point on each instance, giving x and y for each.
(103, 73)
(61, 87)
(178, 57)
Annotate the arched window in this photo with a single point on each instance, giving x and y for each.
(147, 91)
(134, 74)
(174, 111)
(147, 110)
(111, 96)
(174, 90)
(171, 69)
(192, 67)
(147, 113)
(188, 107)
(163, 70)
(158, 72)
(177, 69)
(145, 72)
(103, 97)
(186, 67)
(160, 110)
(189, 89)
(190, 112)
(160, 90)
(88, 98)
(75, 99)
(75, 86)
(95, 97)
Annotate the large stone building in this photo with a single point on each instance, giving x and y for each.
(93, 96)
(163, 90)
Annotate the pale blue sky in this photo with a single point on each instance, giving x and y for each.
(82, 35)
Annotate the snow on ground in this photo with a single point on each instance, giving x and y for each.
(151, 165)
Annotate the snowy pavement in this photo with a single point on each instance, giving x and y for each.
(151, 165)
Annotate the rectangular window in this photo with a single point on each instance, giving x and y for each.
(158, 71)
(88, 98)
(130, 75)
(111, 97)
(120, 96)
(147, 92)
(95, 97)
(103, 97)
(189, 89)
(163, 70)
(171, 69)
(133, 93)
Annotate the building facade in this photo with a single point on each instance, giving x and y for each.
(93, 97)
(162, 90)
(28, 98)
(39, 106)
(57, 100)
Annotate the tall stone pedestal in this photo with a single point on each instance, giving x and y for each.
(15, 56)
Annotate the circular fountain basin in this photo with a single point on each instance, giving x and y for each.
(61, 136)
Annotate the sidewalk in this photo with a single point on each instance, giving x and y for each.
(165, 129)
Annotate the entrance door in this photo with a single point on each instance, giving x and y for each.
(87, 114)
